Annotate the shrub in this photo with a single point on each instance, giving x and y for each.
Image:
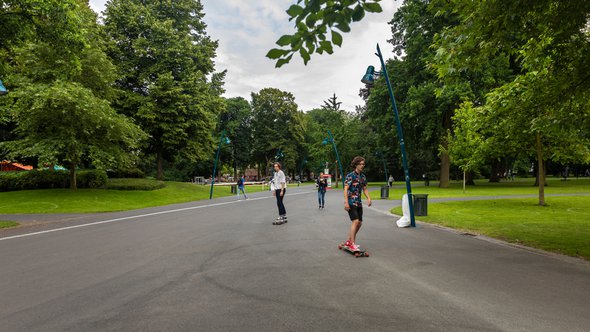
(133, 172)
(47, 179)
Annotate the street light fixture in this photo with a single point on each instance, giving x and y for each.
(222, 139)
(330, 139)
(368, 79)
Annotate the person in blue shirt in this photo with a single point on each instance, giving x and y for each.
(241, 184)
(355, 184)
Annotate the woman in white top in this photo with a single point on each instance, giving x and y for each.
(279, 183)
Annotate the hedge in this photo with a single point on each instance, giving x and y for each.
(48, 179)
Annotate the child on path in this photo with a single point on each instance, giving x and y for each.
(355, 184)
(321, 184)
(241, 184)
(279, 185)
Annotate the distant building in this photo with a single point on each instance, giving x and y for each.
(7, 166)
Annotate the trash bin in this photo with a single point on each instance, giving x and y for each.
(420, 204)
(234, 189)
(384, 192)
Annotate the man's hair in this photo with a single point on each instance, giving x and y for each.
(276, 163)
(357, 160)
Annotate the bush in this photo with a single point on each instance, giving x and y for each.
(91, 179)
(135, 184)
(47, 179)
(134, 173)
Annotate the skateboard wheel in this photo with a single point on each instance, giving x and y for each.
(366, 254)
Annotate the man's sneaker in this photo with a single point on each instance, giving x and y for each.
(354, 247)
(284, 219)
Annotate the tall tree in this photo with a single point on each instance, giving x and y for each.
(276, 125)
(236, 119)
(61, 77)
(165, 57)
(543, 110)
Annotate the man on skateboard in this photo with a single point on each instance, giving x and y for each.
(355, 184)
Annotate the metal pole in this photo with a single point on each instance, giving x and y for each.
(400, 135)
(215, 164)
(337, 158)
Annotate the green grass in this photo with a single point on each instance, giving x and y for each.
(8, 223)
(107, 200)
(485, 188)
(563, 226)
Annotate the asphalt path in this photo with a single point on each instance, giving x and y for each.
(221, 265)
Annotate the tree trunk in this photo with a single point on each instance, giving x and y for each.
(541, 171)
(73, 183)
(160, 165)
(469, 179)
(445, 170)
(494, 171)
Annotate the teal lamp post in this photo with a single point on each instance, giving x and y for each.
(380, 155)
(369, 79)
(330, 139)
(222, 139)
(3, 90)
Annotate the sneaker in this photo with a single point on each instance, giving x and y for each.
(284, 219)
(346, 244)
(278, 222)
(354, 247)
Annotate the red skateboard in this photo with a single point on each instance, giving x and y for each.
(356, 253)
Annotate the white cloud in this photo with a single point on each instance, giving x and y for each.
(246, 30)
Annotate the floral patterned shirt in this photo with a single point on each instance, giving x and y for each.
(356, 184)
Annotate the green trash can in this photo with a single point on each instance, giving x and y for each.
(384, 192)
(420, 204)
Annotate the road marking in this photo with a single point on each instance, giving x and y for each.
(135, 217)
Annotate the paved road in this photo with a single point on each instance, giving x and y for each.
(222, 266)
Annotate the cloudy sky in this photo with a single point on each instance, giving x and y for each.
(247, 29)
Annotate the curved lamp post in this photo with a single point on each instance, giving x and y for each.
(369, 79)
(330, 139)
(222, 139)
(3, 90)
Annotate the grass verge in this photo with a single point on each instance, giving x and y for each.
(8, 223)
(563, 226)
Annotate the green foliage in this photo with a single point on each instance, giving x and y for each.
(8, 224)
(315, 20)
(134, 184)
(276, 124)
(165, 59)
(47, 179)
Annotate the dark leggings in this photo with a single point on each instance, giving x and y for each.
(280, 204)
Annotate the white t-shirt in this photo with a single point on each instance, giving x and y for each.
(277, 179)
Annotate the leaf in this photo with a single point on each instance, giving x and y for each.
(336, 38)
(373, 7)
(281, 62)
(343, 27)
(358, 13)
(276, 53)
(284, 40)
(295, 10)
(304, 55)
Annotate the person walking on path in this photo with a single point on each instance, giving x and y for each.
(279, 184)
(241, 184)
(390, 181)
(355, 184)
(321, 184)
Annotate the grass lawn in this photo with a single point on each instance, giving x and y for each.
(107, 200)
(563, 226)
(485, 188)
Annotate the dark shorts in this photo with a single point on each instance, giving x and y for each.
(355, 212)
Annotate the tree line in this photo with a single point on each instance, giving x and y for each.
(482, 87)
